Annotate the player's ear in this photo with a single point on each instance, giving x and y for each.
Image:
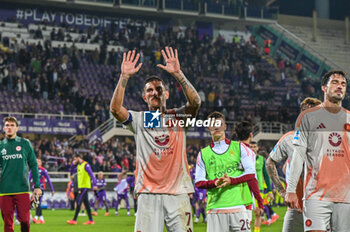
(323, 87)
(144, 97)
(166, 95)
(251, 134)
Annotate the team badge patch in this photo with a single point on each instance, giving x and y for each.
(347, 127)
(334, 139)
(18, 148)
(308, 222)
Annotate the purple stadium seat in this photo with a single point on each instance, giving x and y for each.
(63, 204)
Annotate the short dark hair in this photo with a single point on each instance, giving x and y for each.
(155, 78)
(11, 119)
(243, 129)
(253, 142)
(326, 76)
(216, 115)
(78, 155)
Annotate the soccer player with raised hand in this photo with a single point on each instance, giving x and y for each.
(162, 178)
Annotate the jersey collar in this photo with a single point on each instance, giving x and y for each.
(227, 141)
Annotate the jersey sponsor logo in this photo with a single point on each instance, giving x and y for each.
(321, 126)
(3, 151)
(334, 139)
(308, 223)
(347, 127)
(228, 169)
(163, 151)
(151, 119)
(13, 156)
(18, 148)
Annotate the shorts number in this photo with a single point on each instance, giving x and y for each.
(245, 224)
(189, 218)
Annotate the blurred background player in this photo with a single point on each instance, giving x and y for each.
(192, 169)
(265, 187)
(85, 177)
(16, 160)
(223, 168)
(200, 202)
(70, 193)
(321, 142)
(74, 175)
(100, 194)
(244, 133)
(157, 179)
(43, 176)
(282, 152)
(131, 182)
(121, 188)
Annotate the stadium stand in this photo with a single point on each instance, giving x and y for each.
(66, 70)
(68, 77)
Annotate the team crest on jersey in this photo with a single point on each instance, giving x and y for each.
(3, 151)
(308, 222)
(334, 139)
(162, 140)
(347, 127)
(18, 148)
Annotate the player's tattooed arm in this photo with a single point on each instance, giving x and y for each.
(173, 67)
(193, 99)
(272, 171)
(128, 68)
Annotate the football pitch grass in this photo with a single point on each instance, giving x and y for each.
(55, 221)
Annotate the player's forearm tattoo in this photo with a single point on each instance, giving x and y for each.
(272, 171)
(190, 92)
(124, 82)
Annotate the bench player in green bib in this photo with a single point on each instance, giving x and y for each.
(224, 168)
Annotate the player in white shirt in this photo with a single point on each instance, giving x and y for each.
(121, 188)
(283, 151)
(162, 176)
(322, 142)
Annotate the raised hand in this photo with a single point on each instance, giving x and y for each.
(129, 63)
(172, 64)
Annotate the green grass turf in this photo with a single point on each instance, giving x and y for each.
(56, 222)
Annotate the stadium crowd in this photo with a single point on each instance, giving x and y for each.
(234, 77)
(112, 156)
(235, 83)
